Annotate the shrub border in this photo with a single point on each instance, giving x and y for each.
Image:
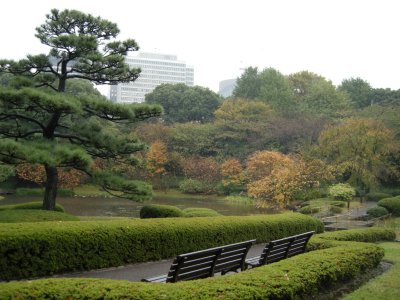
(299, 277)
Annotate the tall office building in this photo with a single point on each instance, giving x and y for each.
(156, 69)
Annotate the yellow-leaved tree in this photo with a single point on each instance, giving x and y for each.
(275, 178)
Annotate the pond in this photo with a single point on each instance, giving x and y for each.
(116, 207)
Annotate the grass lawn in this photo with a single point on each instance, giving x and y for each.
(33, 215)
(387, 285)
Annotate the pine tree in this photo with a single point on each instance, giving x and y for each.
(43, 124)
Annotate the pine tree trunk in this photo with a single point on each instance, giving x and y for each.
(49, 201)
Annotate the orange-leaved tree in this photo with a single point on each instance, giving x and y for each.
(277, 177)
(233, 177)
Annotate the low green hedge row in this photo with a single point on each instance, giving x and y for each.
(37, 249)
(391, 204)
(299, 277)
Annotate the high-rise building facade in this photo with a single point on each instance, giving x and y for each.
(156, 69)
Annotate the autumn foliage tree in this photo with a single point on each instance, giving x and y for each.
(274, 178)
(204, 169)
(233, 177)
(156, 159)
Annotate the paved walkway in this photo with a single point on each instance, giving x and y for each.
(135, 272)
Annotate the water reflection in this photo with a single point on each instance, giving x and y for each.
(92, 206)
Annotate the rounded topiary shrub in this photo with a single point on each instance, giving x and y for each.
(309, 210)
(192, 186)
(376, 196)
(377, 211)
(200, 212)
(335, 209)
(391, 204)
(160, 211)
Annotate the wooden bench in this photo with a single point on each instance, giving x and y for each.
(280, 249)
(206, 263)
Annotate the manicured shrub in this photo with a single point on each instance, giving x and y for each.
(160, 211)
(335, 209)
(298, 277)
(376, 212)
(371, 235)
(337, 203)
(391, 204)
(376, 196)
(192, 186)
(309, 210)
(341, 192)
(200, 212)
(30, 205)
(39, 249)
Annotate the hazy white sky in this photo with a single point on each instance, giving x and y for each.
(337, 39)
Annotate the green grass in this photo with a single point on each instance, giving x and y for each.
(30, 205)
(387, 285)
(176, 194)
(88, 190)
(33, 215)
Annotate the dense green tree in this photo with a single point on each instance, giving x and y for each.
(388, 114)
(182, 103)
(248, 84)
(276, 91)
(242, 127)
(385, 97)
(359, 91)
(56, 129)
(317, 96)
(191, 139)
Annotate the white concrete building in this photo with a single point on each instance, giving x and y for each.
(156, 69)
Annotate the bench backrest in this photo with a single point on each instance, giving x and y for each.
(286, 247)
(206, 263)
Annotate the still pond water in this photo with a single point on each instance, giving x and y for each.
(115, 207)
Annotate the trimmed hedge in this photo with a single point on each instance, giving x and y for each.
(377, 211)
(39, 249)
(199, 212)
(376, 196)
(160, 211)
(298, 277)
(30, 205)
(370, 235)
(391, 204)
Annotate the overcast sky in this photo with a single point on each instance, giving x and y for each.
(337, 39)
